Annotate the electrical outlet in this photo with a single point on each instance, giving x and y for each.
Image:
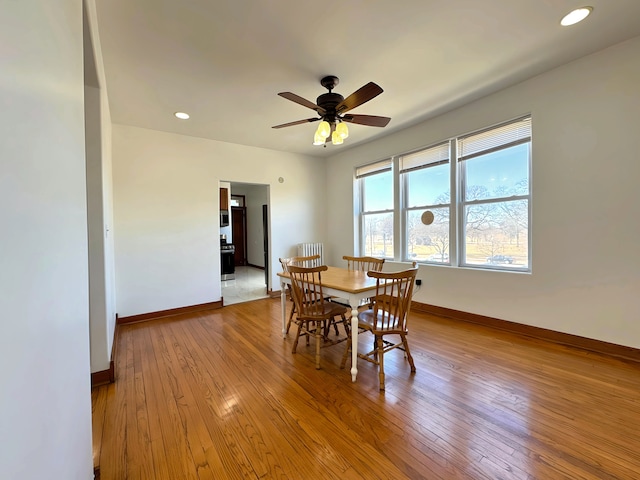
(418, 281)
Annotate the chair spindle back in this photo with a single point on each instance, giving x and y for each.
(364, 264)
(309, 261)
(306, 286)
(392, 301)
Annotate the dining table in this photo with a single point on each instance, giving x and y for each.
(351, 285)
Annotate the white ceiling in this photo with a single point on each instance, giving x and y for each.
(224, 62)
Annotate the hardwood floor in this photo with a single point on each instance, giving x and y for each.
(220, 395)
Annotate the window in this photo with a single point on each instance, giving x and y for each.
(425, 180)
(376, 209)
(495, 196)
(473, 211)
(237, 200)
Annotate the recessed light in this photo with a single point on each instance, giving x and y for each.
(576, 16)
(182, 115)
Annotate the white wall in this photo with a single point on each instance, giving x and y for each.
(586, 200)
(107, 193)
(45, 397)
(166, 213)
(100, 355)
(99, 198)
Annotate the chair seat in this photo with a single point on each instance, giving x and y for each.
(366, 320)
(324, 311)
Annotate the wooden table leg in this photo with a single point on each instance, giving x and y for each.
(354, 342)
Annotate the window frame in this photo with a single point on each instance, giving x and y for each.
(461, 201)
(457, 202)
(362, 213)
(405, 209)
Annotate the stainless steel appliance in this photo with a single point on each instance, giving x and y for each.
(224, 218)
(227, 261)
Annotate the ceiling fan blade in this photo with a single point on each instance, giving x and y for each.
(357, 98)
(298, 122)
(302, 101)
(370, 120)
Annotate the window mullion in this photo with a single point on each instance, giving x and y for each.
(398, 210)
(371, 212)
(454, 207)
(485, 201)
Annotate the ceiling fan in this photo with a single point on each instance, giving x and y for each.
(332, 109)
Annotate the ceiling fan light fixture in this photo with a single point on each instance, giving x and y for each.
(342, 130)
(324, 129)
(330, 108)
(575, 16)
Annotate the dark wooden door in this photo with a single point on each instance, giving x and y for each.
(239, 234)
(265, 229)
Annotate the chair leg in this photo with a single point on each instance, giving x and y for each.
(295, 341)
(319, 334)
(408, 353)
(380, 356)
(332, 321)
(293, 310)
(345, 322)
(325, 330)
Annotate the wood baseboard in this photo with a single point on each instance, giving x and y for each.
(255, 266)
(143, 317)
(597, 346)
(104, 377)
(274, 293)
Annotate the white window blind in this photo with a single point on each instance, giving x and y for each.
(495, 138)
(374, 168)
(436, 155)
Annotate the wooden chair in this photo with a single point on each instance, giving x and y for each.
(310, 261)
(388, 316)
(313, 310)
(362, 264)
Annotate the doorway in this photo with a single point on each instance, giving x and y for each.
(248, 231)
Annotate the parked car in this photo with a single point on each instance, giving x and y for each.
(437, 257)
(500, 259)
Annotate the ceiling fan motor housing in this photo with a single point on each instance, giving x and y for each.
(329, 101)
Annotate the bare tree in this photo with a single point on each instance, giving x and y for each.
(440, 237)
(386, 230)
(413, 230)
(477, 217)
(514, 214)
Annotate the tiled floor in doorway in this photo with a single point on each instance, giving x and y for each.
(249, 284)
